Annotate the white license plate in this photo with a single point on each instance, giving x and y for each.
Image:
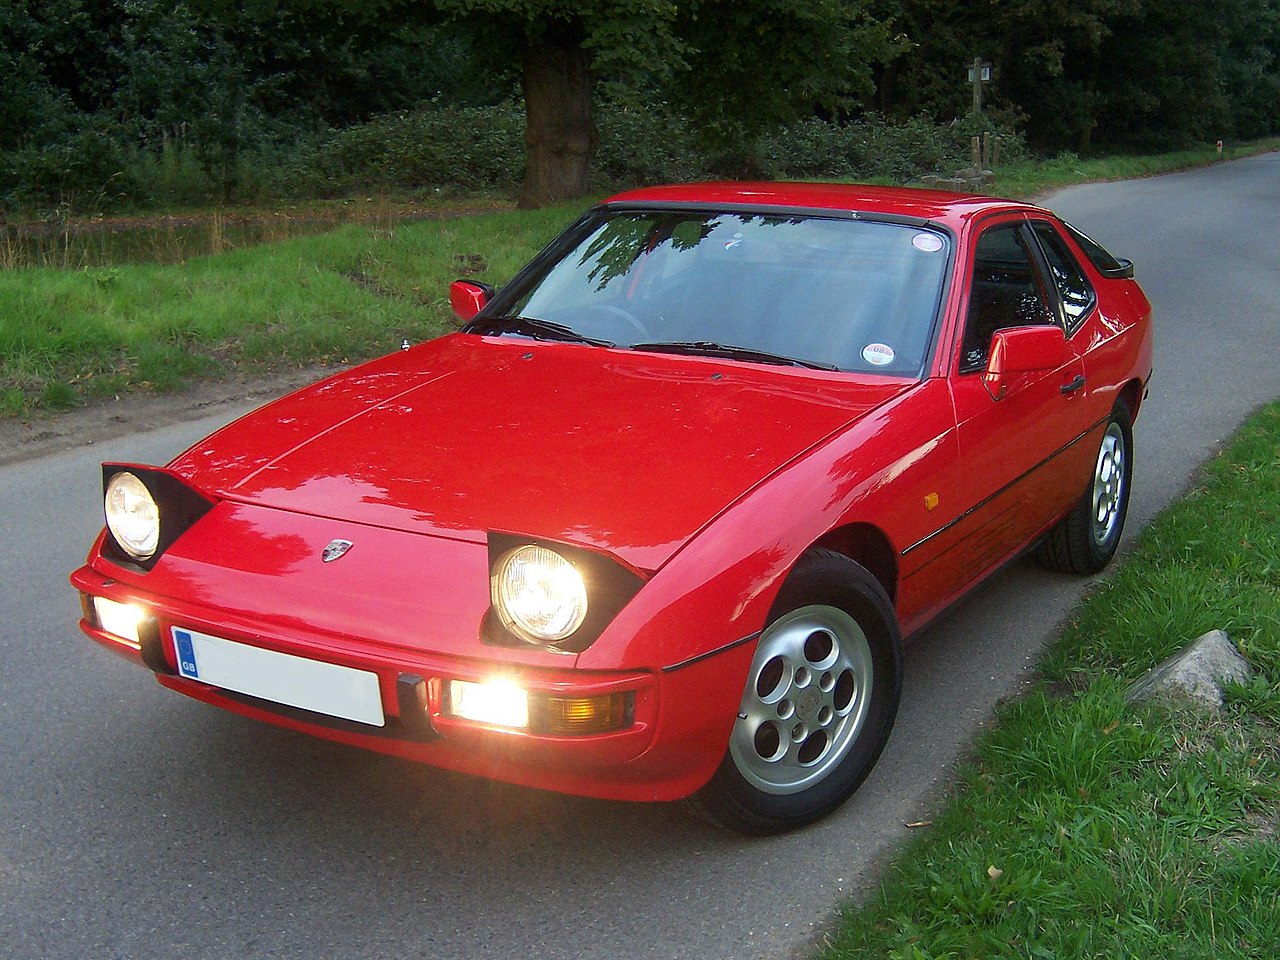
(280, 677)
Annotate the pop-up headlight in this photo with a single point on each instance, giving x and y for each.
(133, 517)
(538, 594)
(147, 508)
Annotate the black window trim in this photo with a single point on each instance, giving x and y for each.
(1103, 260)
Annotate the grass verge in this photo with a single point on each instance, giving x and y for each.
(71, 335)
(1087, 828)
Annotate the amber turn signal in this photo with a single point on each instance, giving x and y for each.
(576, 716)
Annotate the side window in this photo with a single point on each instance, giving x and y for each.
(1005, 292)
(1073, 289)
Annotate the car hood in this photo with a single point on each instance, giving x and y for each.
(618, 450)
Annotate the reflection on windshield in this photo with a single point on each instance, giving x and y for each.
(856, 294)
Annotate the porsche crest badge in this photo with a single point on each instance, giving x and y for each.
(334, 550)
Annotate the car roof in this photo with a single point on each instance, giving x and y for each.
(934, 205)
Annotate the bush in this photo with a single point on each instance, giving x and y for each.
(874, 148)
(86, 163)
(645, 143)
(642, 141)
(436, 145)
(78, 166)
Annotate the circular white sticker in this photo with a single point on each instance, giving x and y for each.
(878, 354)
(927, 242)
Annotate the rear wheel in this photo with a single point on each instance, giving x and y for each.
(1085, 540)
(820, 700)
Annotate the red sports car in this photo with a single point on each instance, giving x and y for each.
(653, 523)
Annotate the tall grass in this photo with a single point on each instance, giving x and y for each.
(69, 335)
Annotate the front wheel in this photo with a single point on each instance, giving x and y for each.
(1085, 540)
(819, 702)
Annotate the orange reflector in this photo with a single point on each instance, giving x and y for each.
(575, 716)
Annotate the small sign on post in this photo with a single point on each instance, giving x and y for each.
(979, 73)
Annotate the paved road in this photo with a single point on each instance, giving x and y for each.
(135, 823)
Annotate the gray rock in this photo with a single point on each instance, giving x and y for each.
(1197, 673)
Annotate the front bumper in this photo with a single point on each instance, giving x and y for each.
(667, 745)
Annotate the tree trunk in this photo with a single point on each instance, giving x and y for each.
(560, 134)
(1085, 142)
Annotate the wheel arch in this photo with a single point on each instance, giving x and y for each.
(1131, 395)
(868, 546)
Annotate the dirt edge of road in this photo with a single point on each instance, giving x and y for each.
(45, 434)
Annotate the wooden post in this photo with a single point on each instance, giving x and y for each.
(977, 84)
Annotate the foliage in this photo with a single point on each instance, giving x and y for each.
(877, 149)
(754, 66)
(133, 102)
(1117, 73)
(90, 88)
(645, 140)
(641, 141)
(435, 145)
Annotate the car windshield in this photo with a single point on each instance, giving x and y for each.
(849, 293)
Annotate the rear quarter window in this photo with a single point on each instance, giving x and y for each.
(1074, 292)
(1106, 264)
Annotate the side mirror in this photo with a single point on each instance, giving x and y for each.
(1022, 350)
(468, 298)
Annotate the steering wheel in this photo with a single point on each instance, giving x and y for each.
(627, 317)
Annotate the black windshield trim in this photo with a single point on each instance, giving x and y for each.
(708, 348)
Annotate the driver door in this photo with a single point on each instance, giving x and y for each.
(1016, 445)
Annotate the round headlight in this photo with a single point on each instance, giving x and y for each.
(132, 515)
(538, 594)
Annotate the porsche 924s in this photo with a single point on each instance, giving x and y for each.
(653, 523)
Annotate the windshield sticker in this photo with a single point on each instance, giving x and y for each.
(878, 354)
(735, 242)
(927, 242)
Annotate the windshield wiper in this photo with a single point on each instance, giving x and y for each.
(709, 348)
(533, 327)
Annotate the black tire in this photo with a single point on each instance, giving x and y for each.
(819, 703)
(1085, 540)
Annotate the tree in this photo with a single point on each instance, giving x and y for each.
(737, 66)
(1082, 73)
(754, 65)
(560, 47)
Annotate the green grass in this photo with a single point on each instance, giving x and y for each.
(67, 336)
(1088, 828)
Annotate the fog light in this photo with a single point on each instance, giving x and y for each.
(497, 702)
(119, 619)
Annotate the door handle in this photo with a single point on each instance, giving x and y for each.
(1073, 386)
